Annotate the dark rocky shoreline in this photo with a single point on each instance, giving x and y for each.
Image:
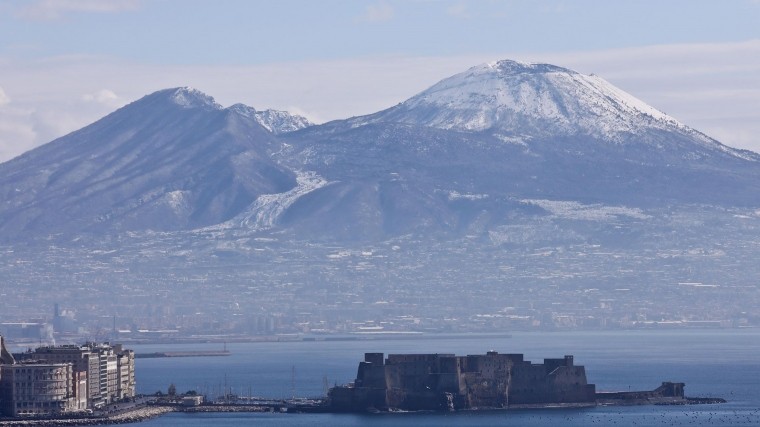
(133, 416)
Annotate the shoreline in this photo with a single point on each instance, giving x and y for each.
(131, 416)
(21, 345)
(149, 412)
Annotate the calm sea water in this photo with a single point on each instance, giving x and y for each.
(722, 363)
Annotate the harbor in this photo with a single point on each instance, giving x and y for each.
(257, 381)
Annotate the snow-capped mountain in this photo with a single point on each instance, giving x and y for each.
(519, 101)
(172, 160)
(463, 151)
(511, 194)
(466, 154)
(511, 96)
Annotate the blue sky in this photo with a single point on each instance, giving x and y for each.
(66, 63)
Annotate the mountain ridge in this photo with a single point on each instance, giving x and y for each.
(171, 160)
(504, 132)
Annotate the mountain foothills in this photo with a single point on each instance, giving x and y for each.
(524, 180)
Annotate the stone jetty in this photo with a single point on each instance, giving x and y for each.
(132, 416)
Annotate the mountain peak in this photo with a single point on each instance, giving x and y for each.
(508, 97)
(188, 97)
(275, 121)
(508, 66)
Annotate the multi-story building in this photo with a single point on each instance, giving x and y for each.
(38, 388)
(108, 370)
(125, 362)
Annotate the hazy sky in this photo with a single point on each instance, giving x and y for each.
(66, 63)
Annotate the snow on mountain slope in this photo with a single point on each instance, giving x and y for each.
(172, 160)
(576, 210)
(264, 212)
(188, 97)
(453, 157)
(274, 121)
(514, 99)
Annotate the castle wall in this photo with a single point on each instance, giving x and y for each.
(445, 381)
(371, 375)
(568, 385)
(486, 380)
(555, 381)
(667, 392)
(350, 399)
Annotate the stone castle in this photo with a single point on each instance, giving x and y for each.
(447, 382)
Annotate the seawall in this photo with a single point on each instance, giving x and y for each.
(132, 416)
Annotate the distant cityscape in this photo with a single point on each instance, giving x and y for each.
(159, 292)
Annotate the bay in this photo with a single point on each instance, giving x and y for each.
(712, 363)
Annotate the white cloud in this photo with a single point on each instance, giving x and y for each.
(458, 10)
(379, 12)
(16, 132)
(102, 96)
(49, 10)
(3, 97)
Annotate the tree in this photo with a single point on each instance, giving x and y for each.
(172, 390)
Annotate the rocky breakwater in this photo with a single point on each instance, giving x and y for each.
(231, 408)
(131, 416)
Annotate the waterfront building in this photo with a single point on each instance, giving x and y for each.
(192, 400)
(37, 388)
(108, 370)
(125, 363)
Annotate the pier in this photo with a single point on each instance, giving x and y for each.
(208, 353)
